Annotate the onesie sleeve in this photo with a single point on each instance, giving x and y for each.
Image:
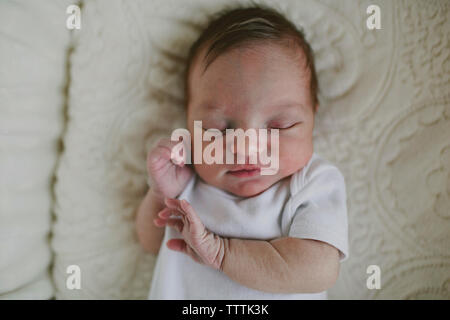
(318, 206)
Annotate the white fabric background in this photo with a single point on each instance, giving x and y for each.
(384, 121)
(33, 49)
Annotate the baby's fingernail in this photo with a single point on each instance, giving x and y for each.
(171, 201)
(184, 203)
(164, 214)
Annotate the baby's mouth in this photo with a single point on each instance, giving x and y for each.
(245, 171)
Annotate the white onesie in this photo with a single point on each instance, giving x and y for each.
(310, 204)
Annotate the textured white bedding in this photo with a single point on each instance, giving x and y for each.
(384, 121)
(32, 78)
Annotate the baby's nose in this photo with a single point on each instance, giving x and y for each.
(250, 147)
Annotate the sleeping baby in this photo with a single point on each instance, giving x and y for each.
(225, 230)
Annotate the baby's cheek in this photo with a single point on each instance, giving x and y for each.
(294, 154)
(208, 172)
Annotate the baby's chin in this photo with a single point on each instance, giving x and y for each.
(249, 188)
(245, 187)
(247, 192)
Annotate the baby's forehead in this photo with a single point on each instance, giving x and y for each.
(270, 51)
(264, 67)
(273, 109)
(248, 76)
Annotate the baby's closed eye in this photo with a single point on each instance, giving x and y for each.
(283, 125)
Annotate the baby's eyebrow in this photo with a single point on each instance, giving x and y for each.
(286, 106)
(209, 106)
(212, 109)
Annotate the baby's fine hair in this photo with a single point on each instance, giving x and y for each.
(237, 27)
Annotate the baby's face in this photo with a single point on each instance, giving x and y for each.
(262, 86)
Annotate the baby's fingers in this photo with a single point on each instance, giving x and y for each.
(161, 218)
(189, 211)
(177, 224)
(174, 204)
(183, 207)
(159, 222)
(196, 227)
(181, 246)
(164, 213)
(177, 245)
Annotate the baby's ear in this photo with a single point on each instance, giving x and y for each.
(316, 107)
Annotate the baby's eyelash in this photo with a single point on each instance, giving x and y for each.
(280, 127)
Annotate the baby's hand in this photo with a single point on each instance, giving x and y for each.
(167, 178)
(199, 243)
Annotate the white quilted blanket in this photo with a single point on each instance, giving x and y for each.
(32, 78)
(384, 120)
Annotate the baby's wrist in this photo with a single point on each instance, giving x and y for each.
(223, 252)
(156, 195)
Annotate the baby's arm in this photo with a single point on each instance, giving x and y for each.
(168, 180)
(149, 235)
(284, 265)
